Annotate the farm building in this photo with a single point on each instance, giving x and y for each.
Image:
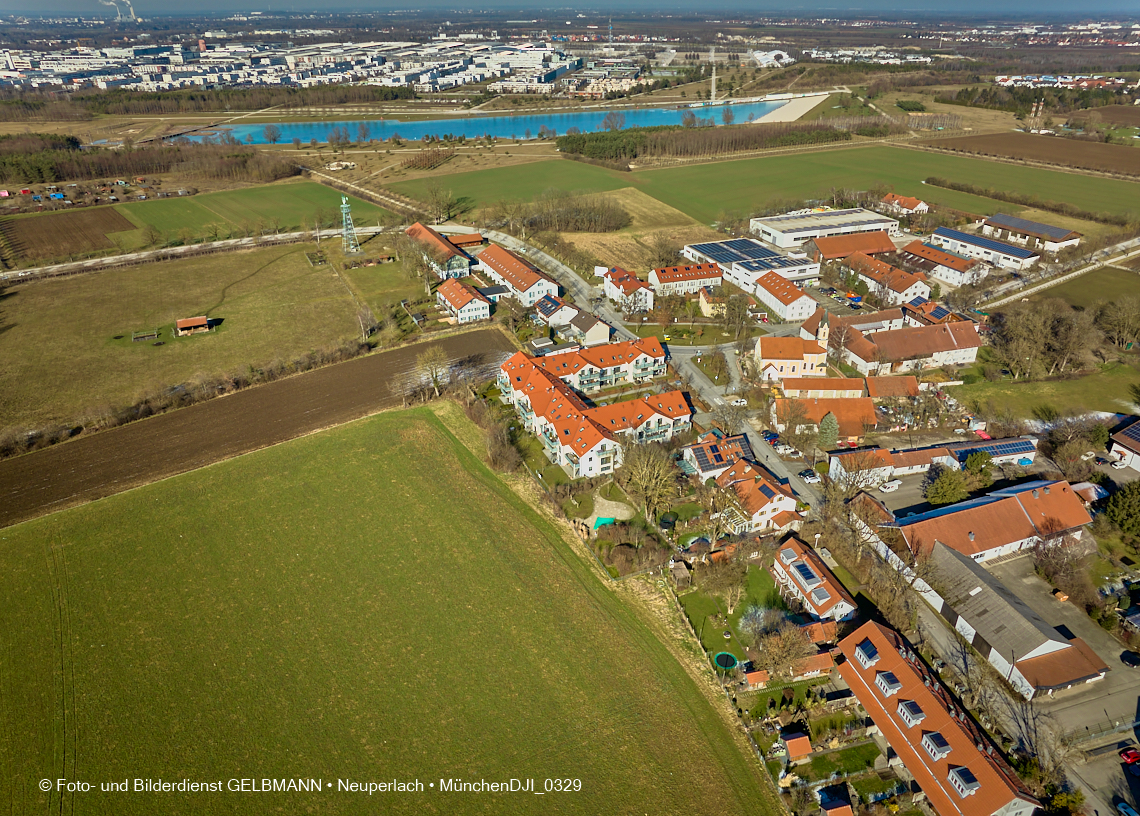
(904, 205)
(948, 755)
(785, 300)
(462, 301)
(912, 348)
(191, 325)
(841, 246)
(855, 416)
(528, 285)
(440, 254)
(1005, 256)
(473, 239)
(947, 267)
(684, 280)
(895, 463)
(743, 260)
(822, 388)
(796, 229)
(626, 289)
(1030, 234)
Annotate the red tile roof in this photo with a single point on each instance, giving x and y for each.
(815, 664)
(998, 785)
(1062, 668)
(433, 240)
(880, 387)
(796, 550)
(625, 280)
(676, 274)
(914, 342)
(841, 246)
(854, 415)
(471, 239)
(192, 323)
(940, 257)
(906, 202)
(798, 745)
(458, 294)
(882, 273)
(787, 348)
(781, 288)
(519, 274)
(792, 384)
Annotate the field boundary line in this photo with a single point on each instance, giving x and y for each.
(1032, 290)
(1074, 171)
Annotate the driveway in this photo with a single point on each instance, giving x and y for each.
(1112, 699)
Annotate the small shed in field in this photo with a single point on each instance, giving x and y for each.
(191, 325)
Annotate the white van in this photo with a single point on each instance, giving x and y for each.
(890, 487)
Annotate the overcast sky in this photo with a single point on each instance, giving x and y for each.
(1007, 8)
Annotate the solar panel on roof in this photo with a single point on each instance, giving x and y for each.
(940, 312)
(1024, 225)
(1132, 432)
(985, 243)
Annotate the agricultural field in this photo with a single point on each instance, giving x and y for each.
(1105, 284)
(343, 607)
(1048, 150)
(707, 191)
(60, 334)
(1125, 115)
(60, 234)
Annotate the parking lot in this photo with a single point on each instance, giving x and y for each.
(1105, 779)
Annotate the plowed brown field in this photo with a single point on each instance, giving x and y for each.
(1048, 150)
(100, 465)
(1116, 114)
(64, 233)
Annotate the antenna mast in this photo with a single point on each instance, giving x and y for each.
(349, 243)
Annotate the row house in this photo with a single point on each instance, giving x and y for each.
(527, 283)
(684, 280)
(632, 362)
(445, 259)
(462, 301)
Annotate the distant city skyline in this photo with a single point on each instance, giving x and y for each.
(1011, 9)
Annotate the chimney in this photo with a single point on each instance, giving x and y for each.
(971, 535)
(1036, 493)
(1046, 491)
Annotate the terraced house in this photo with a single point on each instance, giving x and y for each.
(583, 439)
(684, 280)
(595, 369)
(527, 283)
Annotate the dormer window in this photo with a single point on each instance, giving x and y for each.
(911, 713)
(787, 555)
(867, 654)
(887, 682)
(935, 745)
(964, 781)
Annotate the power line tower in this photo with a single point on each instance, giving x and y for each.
(349, 243)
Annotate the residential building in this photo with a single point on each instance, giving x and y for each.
(949, 756)
(837, 328)
(587, 330)
(889, 284)
(1031, 655)
(911, 348)
(713, 454)
(890, 464)
(447, 260)
(1000, 523)
(904, 205)
(955, 270)
(554, 311)
(585, 441)
(762, 503)
(743, 260)
(462, 301)
(801, 573)
(923, 312)
(596, 369)
(796, 229)
(528, 285)
(995, 253)
(712, 303)
(855, 416)
(1125, 445)
(627, 290)
(779, 357)
(785, 300)
(684, 280)
(1030, 234)
(842, 246)
(822, 388)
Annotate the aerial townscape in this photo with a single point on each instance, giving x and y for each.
(588, 411)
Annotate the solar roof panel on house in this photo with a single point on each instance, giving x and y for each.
(1001, 449)
(768, 264)
(1027, 227)
(940, 312)
(985, 243)
(918, 301)
(1132, 432)
(735, 251)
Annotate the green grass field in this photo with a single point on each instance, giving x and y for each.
(1105, 284)
(367, 604)
(59, 336)
(705, 191)
(1106, 389)
(286, 206)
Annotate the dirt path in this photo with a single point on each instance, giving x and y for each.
(110, 462)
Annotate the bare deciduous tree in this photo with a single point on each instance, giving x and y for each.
(432, 365)
(647, 472)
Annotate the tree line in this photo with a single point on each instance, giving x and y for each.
(39, 158)
(18, 106)
(559, 211)
(1026, 200)
(697, 141)
(1020, 100)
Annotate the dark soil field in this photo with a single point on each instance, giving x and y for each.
(1048, 150)
(1115, 114)
(103, 464)
(64, 233)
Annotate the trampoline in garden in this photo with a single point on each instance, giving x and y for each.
(725, 661)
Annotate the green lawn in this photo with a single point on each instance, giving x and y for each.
(759, 589)
(273, 305)
(1105, 284)
(844, 761)
(286, 206)
(1106, 389)
(705, 191)
(342, 607)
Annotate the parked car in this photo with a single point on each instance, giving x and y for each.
(890, 487)
(1087, 455)
(1119, 464)
(1130, 755)
(1134, 770)
(1100, 460)
(810, 477)
(740, 402)
(787, 450)
(1126, 809)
